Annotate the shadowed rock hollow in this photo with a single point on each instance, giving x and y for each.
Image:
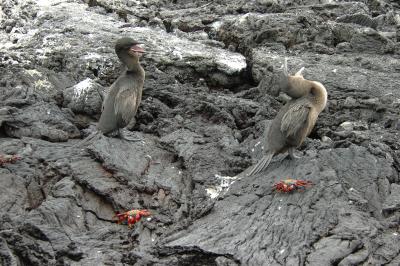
(208, 97)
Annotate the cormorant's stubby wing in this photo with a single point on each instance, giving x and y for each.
(295, 117)
(125, 106)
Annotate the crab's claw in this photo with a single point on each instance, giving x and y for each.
(145, 213)
(131, 221)
(120, 216)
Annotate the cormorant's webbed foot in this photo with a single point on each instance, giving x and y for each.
(292, 155)
(124, 136)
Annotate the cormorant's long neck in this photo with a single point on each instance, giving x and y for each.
(319, 95)
(297, 87)
(132, 65)
(135, 69)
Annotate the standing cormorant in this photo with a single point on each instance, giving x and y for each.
(123, 100)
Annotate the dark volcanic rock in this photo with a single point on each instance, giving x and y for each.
(211, 89)
(321, 226)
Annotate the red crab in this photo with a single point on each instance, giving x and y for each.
(6, 158)
(131, 216)
(289, 185)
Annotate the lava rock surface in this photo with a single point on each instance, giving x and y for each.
(209, 93)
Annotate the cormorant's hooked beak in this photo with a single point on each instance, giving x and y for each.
(299, 73)
(136, 50)
(285, 69)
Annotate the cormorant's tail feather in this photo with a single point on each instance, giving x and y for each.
(87, 139)
(262, 164)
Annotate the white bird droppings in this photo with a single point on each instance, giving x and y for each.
(91, 56)
(177, 55)
(82, 87)
(233, 63)
(225, 183)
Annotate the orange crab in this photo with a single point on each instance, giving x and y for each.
(6, 158)
(288, 185)
(131, 216)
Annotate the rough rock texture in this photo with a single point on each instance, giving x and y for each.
(210, 91)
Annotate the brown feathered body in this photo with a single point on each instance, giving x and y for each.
(296, 119)
(122, 102)
(125, 94)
